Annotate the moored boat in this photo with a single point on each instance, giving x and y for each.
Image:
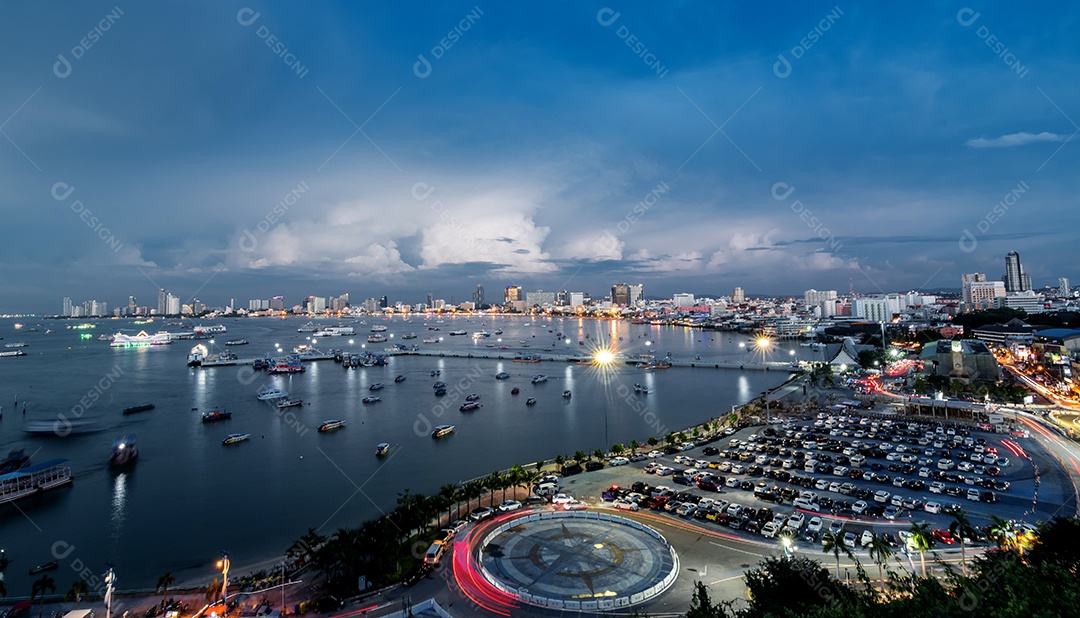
(469, 406)
(266, 393)
(641, 389)
(431, 340)
(566, 394)
(372, 399)
(502, 375)
(439, 385)
(409, 336)
(376, 386)
(234, 438)
(399, 379)
(459, 332)
(289, 402)
(216, 415)
(537, 379)
(32, 480)
(237, 342)
(442, 430)
(331, 425)
(472, 397)
(139, 408)
(12, 353)
(531, 401)
(290, 365)
(515, 391)
(376, 338)
(378, 328)
(41, 568)
(382, 448)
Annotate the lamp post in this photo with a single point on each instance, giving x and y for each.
(223, 564)
(110, 584)
(763, 344)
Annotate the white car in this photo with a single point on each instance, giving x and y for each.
(575, 505)
(859, 507)
(655, 454)
(509, 505)
(814, 525)
(561, 499)
(731, 482)
(867, 538)
(618, 461)
(665, 471)
(795, 521)
(849, 539)
(932, 507)
(625, 505)
(881, 496)
(770, 529)
(937, 487)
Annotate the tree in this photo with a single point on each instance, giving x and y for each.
(213, 591)
(652, 441)
(669, 439)
(598, 454)
(559, 460)
(580, 456)
(701, 606)
(76, 592)
(447, 493)
(3, 588)
(961, 527)
(921, 541)
(634, 446)
(39, 589)
(798, 586)
(833, 543)
(880, 552)
(1058, 542)
(618, 449)
(163, 584)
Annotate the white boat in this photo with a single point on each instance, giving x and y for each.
(197, 355)
(287, 402)
(480, 334)
(12, 353)
(308, 328)
(431, 340)
(267, 393)
(209, 330)
(120, 340)
(378, 328)
(335, 331)
(537, 379)
(233, 438)
(32, 480)
(409, 336)
(17, 344)
(376, 338)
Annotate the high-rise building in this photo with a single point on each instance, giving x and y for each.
(620, 294)
(972, 278)
(478, 296)
(980, 292)
(637, 293)
(172, 305)
(429, 299)
(823, 301)
(1014, 274)
(871, 308)
(683, 299)
(277, 303)
(384, 302)
(738, 296)
(1063, 287)
(539, 298)
(576, 299)
(371, 305)
(512, 293)
(162, 301)
(67, 307)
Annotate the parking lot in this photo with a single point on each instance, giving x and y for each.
(857, 474)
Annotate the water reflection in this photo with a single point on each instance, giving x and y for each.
(119, 511)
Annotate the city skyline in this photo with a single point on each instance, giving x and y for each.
(689, 148)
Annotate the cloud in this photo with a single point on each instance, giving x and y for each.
(1016, 139)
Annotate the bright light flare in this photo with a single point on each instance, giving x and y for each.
(604, 357)
(763, 343)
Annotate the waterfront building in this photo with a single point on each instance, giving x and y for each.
(620, 294)
(683, 299)
(513, 293)
(539, 298)
(738, 297)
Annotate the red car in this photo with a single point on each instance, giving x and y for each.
(944, 537)
(708, 485)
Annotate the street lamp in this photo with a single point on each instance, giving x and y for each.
(110, 584)
(763, 344)
(223, 564)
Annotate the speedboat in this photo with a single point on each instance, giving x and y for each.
(378, 328)
(502, 375)
(515, 391)
(376, 338)
(382, 448)
(409, 336)
(480, 334)
(442, 430)
(371, 399)
(537, 379)
(439, 392)
(566, 394)
(124, 452)
(331, 425)
(461, 331)
(531, 401)
(288, 402)
(498, 331)
(237, 342)
(140, 408)
(48, 566)
(233, 438)
(376, 386)
(431, 340)
(641, 389)
(399, 379)
(267, 393)
(472, 397)
(469, 406)
(436, 372)
(216, 415)
(439, 385)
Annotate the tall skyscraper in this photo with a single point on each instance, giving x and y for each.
(972, 278)
(1014, 274)
(67, 306)
(620, 294)
(384, 302)
(1063, 287)
(738, 296)
(512, 293)
(684, 299)
(478, 296)
(637, 293)
(162, 301)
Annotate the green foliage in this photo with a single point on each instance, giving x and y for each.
(618, 449)
(652, 441)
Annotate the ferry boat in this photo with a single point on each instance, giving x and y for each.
(376, 338)
(378, 328)
(33, 480)
(286, 366)
(480, 334)
(17, 344)
(308, 328)
(266, 393)
(335, 331)
(237, 342)
(531, 401)
(216, 415)
(289, 403)
(140, 408)
(399, 379)
(469, 406)
(502, 375)
(12, 353)
(376, 386)
(124, 452)
(233, 438)
(526, 358)
(215, 329)
(442, 430)
(409, 336)
(120, 340)
(537, 379)
(382, 448)
(197, 355)
(331, 425)
(460, 331)
(372, 399)
(17, 459)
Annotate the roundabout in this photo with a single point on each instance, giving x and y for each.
(577, 560)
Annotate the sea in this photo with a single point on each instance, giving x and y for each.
(189, 497)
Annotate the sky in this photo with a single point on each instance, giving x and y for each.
(246, 149)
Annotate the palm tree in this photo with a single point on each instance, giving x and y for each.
(1001, 531)
(41, 586)
(834, 544)
(492, 482)
(447, 493)
(78, 589)
(961, 527)
(163, 584)
(213, 591)
(880, 552)
(922, 541)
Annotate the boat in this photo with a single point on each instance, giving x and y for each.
(502, 375)
(480, 334)
(290, 365)
(382, 448)
(33, 480)
(288, 402)
(17, 459)
(215, 329)
(566, 394)
(409, 336)
(197, 355)
(48, 566)
(216, 415)
(460, 331)
(439, 392)
(120, 340)
(526, 358)
(515, 391)
(498, 331)
(438, 385)
(399, 379)
(469, 406)
(233, 438)
(237, 342)
(140, 408)
(124, 452)
(378, 328)
(17, 344)
(641, 389)
(376, 338)
(335, 331)
(431, 340)
(442, 430)
(61, 427)
(308, 328)
(436, 373)
(12, 353)
(267, 393)
(105, 337)
(655, 365)
(531, 401)
(371, 399)
(376, 386)
(472, 397)
(331, 425)
(537, 379)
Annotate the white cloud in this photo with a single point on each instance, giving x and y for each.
(1016, 139)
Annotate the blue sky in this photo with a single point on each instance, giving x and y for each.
(149, 154)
